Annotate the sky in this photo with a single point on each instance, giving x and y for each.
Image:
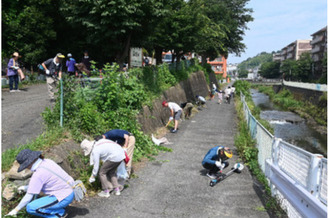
(277, 23)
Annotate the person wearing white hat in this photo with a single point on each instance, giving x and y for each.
(112, 154)
(13, 71)
(70, 64)
(53, 69)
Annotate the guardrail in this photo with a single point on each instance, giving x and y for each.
(310, 86)
(297, 177)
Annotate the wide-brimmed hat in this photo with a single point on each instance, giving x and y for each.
(60, 55)
(15, 54)
(87, 146)
(26, 157)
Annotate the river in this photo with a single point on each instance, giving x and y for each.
(289, 126)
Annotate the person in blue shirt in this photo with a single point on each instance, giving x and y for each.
(70, 64)
(125, 139)
(216, 160)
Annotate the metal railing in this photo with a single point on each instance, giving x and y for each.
(297, 177)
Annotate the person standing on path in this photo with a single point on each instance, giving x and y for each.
(126, 140)
(220, 96)
(70, 64)
(86, 60)
(53, 68)
(228, 94)
(112, 154)
(59, 194)
(175, 111)
(216, 160)
(13, 71)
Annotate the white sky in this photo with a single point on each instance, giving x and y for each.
(277, 23)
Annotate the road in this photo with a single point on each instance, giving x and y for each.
(175, 184)
(21, 115)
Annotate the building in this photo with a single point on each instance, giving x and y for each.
(295, 49)
(219, 66)
(319, 48)
(232, 70)
(277, 56)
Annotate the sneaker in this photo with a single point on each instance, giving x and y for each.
(12, 91)
(17, 90)
(211, 176)
(173, 131)
(117, 191)
(104, 194)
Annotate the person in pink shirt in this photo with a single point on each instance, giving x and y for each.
(48, 177)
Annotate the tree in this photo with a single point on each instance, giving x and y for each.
(289, 69)
(304, 67)
(26, 28)
(270, 70)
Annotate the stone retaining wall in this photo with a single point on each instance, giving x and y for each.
(156, 116)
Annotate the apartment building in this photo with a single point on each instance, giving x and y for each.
(295, 49)
(319, 48)
(219, 65)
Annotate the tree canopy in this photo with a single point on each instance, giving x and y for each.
(107, 29)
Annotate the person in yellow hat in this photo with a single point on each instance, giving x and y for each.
(216, 160)
(53, 69)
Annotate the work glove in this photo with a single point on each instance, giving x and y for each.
(12, 213)
(16, 68)
(92, 179)
(47, 72)
(171, 118)
(22, 188)
(222, 166)
(218, 164)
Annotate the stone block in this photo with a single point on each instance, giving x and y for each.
(13, 174)
(9, 192)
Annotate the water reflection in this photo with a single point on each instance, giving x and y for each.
(289, 126)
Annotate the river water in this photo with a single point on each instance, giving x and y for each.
(289, 126)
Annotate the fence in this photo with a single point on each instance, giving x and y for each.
(310, 86)
(297, 178)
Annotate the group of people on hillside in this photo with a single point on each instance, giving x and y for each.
(53, 68)
(112, 148)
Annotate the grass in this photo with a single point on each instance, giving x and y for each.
(246, 147)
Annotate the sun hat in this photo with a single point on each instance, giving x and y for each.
(15, 54)
(87, 146)
(26, 157)
(59, 55)
(163, 103)
(69, 55)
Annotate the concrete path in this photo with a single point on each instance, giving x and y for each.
(175, 184)
(21, 119)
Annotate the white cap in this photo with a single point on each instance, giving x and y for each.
(87, 146)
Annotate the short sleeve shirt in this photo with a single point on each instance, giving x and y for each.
(116, 135)
(52, 67)
(50, 184)
(174, 106)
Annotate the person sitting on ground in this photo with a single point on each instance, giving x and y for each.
(48, 177)
(200, 100)
(125, 139)
(112, 154)
(216, 160)
(175, 111)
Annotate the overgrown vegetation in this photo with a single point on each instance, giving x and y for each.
(247, 150)
(286, 100)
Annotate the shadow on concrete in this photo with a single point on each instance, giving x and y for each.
(76, 211)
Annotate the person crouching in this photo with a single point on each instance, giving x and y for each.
(216, 160)
(112, 154)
